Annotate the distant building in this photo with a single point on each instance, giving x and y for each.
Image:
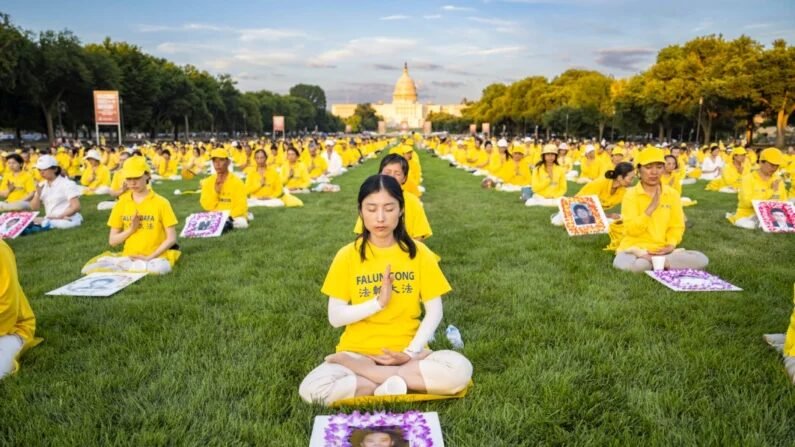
(404, 110)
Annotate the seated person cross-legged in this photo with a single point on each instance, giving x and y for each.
(17, 322)
(59, 196)
(763, 184)
(263, 183)
(654, 222)
(224, 191)
(17, 186)
(376, 286)
(145, 222)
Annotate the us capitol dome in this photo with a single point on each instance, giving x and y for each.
(404, 112)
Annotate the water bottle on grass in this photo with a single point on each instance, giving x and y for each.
(454, 336)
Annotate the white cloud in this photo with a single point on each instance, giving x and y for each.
(367, 46)
(456, 8)
(432, 16)
(395, 17)
(182, 47)
(245, 34)
(492, 21)
(266, 58)
(492, 51)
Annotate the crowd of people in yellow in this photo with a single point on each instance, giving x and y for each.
(639, 186)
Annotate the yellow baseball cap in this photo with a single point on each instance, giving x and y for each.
(618, 150)
(772, 155)
(739, 150)
(219, 153)
(517, 149)
(134, 167)
(651, 155)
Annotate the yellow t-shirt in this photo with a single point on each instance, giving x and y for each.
(789, 342)
(754, 188)
(16, 316)
(118, 181)
(546, 186)
(267, 185)
(295, 176)
(94, 178)
(590, 169)
(514, 173)
(316, 165)
(156, 215)
(417, 224)
(355, 281)
(232, 196)
(23, 183)
(665, 226)
(602, 188)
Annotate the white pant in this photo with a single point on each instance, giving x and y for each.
(537, 200)
(689, 181)
(507, 187)
(728, 190)
(270, 203)
(572, 175)
(682, 259)
(749, 223)
(64, 224)
(10, 345)
(240, 223)
(444, 373)
(18, 205)
(106, 205)
(99, 191)
(157, 266)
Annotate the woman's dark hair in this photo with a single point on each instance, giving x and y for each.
(376, 183)
(621, 170)
(264, 152)
(293, 149)
(395, 159)
(580, 207)
(777, 210)
(16, 157)
(394, 435)
(274, 147)
(676, 162)
(541, 163)
(167, 152)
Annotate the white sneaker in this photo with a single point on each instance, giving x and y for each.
(775, 340)
(392, 386)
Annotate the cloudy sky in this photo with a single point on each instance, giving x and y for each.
(355, 49)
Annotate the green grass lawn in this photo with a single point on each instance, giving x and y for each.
(566, 350)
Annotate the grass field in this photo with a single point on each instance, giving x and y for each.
(566, 350)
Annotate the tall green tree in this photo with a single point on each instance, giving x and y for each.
(774, 83)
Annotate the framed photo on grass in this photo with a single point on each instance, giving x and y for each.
(98, 284)
(410, 429)
(14, 223)
(775, 216)
(209, 224)
(583, 215)
(690, 280)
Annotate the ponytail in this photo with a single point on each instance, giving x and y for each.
(621, 170)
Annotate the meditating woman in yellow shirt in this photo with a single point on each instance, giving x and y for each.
(144, 222)
(17, 186)
(167, 167)
(17, 322)
(763, 184)
(515, 173)
(610, 190)
(376, 287)
(732, 174)
(294, 174)
(654, 222)
(192, 164)
(673, 177)
(117, 185)
(96, 177)
(590, 166)
(549, 179)
(224, 191)
(263, 183)
(417, 225)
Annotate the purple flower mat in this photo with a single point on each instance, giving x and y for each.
(412, 425)
(689, 280)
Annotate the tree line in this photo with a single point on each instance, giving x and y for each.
(49, 77)
(730, 87)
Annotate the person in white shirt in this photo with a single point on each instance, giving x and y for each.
(333, 159)
(59, 195)
(712, 165)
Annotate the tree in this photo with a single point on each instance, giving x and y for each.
(368, 119)
(59, 65)
(774, 83)
(312, 93)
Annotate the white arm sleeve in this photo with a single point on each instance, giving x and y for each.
(340, 313)
(431, 320)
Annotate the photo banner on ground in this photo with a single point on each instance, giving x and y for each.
(98, 284)
(106, 107)
(14, 223)
(775, 216)
(583, 215)
(409, 429)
